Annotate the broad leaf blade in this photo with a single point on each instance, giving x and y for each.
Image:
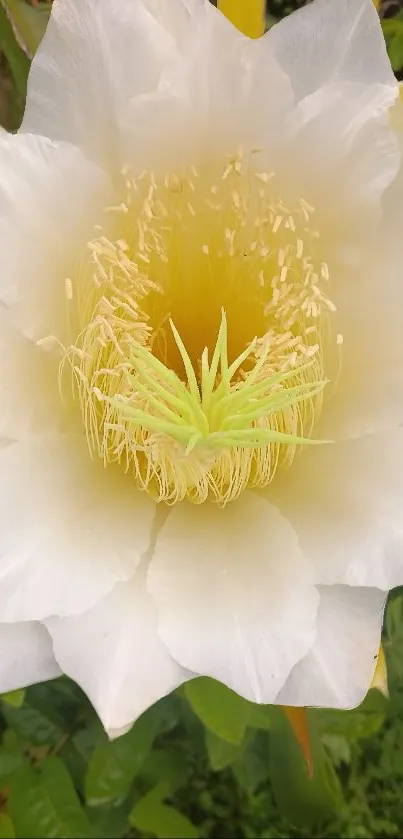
(40, 726)
(221, 710)
(7, 830)
(28, 24)
(220, 753)
(14, 698)
(46, 804)
(113, 766)
(16, 58)
(303, 800)
(151, 816)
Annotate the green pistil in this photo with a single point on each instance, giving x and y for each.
(221, 412)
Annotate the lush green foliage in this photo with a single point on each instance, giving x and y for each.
(202, 762)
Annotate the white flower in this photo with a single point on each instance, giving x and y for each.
(201, 271)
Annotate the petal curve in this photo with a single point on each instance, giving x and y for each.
(337, 672)
(331, 40)
(345, 503)
(114, 653)
(26, 656)
(234, 595)
(69, 529)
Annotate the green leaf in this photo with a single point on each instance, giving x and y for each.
(28, 24)
(113, 766)
(87, 739)
(220, 752)
(394, 617)
(14, 698)
(393, 646)
(60, 695)
(40, 726)
(12, 758)
(358, 724)
(339, 748)
(393, 31)
(166, 765)
(250, 771)
(221, 710)
(303, 800)
(170, 711)
(150, 815)
(16, 58)
(77, 751)
(74, 762)
(110, 822)
(6, 826)
(46, 804)
(261, 717)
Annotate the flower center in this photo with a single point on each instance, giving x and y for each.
(199, 323)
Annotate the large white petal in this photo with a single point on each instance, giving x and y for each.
(345, 501)
(210, 96)
(341, 152)
(50, 199)
(114, 653)
(26, 656)
(94, 57)
(29, 395)
(338, 671)
(234, 594)
(332, 40)
(341, 155)
(69, 529)
(343, 161)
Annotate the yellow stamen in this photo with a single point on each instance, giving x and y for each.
(247, 15)
(198, 334)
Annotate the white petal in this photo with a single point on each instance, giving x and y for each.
(338, 671)
(234, 595)
(69, 529)
(338, 151)
(176, 17)
(114, 653)
(26, 656)
(29, 396)
(50, 198)
(345, 501)
(94, 57)
(345, 172)
(368, 396)
(343, 151)
(332, 40)
(210, 96)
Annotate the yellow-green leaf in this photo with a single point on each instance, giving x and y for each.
(28, 23)
(151, 816)
(14, 698)
(221, 710)
(6, 827)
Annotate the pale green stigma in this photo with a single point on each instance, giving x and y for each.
(222, 412)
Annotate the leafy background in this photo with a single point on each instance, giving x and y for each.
(202, 762)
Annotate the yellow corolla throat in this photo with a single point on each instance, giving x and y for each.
(198, 331)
